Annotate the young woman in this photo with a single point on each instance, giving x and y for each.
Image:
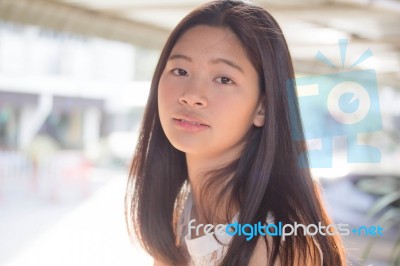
(217, 145)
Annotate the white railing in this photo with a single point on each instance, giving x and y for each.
(61, 176)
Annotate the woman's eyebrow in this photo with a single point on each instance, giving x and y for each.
(213, 61)
(227, 62)
(180, 56)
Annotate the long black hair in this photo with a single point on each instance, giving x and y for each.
(267, 178)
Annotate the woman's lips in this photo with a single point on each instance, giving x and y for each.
(189, 124)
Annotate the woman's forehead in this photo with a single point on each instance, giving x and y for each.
(209, 42)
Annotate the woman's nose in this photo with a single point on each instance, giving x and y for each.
(194, 96)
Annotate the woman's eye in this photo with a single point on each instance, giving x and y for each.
(224, 80)
(179, 72)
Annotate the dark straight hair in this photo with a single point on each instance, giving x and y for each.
(267, 177)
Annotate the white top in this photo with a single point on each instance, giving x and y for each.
(206, 250)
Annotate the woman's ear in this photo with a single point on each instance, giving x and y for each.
(259, 117)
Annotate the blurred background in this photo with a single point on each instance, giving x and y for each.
(74, 80)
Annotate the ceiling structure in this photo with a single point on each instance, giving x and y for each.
(309, 26)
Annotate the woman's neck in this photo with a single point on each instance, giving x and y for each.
(198, 169)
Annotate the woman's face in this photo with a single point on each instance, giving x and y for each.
(208, 94)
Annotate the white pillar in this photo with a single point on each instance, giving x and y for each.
(91, 128)
(32, 119)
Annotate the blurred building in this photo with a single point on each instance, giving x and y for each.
(73, 90)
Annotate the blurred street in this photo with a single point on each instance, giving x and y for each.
(88, 232)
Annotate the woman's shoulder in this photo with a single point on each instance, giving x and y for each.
(260, 256)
